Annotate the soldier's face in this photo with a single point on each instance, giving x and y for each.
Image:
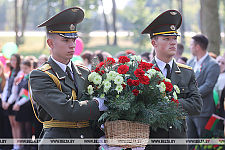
(62, 48)
(165, 46)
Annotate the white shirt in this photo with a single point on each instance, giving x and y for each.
(63, 66)
(198, 64)
(162, 65)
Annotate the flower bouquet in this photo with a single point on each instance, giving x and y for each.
(136, 92)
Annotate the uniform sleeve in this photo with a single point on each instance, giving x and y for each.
(210, 80)
(55, 102)
(193, 102)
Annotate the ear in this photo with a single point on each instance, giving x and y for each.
(50, 43)
(154, 43)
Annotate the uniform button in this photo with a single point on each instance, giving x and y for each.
(170, 127)
(81, 136)
(68, 95)
(182, 89)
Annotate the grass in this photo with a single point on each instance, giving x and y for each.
(35, 45)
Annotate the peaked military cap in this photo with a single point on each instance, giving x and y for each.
(166, 23)
(64, 23)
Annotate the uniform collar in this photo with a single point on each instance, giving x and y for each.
(61, 65)
(162, 64)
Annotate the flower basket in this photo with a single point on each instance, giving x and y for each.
(126, 134)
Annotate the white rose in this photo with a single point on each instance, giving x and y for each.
(107, 84)
(111, 75)
(118, 80)
(161, 76)
(167, 80)
(119, 88)
(92, 76)
(152, 72)
(162, 87)
(97, 79)
(177, 89)
(90, 89)
(174, 95)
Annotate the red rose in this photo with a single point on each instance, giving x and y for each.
(123, 59)
(123, 69)
(135, 92)
(109, 61)
(97, 69)
(124, 86)
(135, 82)
(144, 80)
(157, 69)
(145, 65)
(129, 82)
(169, 86)
(102, 71)
(139, 72)
(101, 64)
(175, 101)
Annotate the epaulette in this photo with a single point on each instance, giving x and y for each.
(81, 66)
(44, 67)
(184, 66)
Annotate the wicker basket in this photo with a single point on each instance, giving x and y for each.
(126, 134)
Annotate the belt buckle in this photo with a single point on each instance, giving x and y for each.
(79, 124)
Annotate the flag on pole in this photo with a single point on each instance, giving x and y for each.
(24, 93)
(212, 122)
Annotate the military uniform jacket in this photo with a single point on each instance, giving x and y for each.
(189, 98)
(52, 103)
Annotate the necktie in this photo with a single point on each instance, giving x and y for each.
(68, 73)
(168, 75)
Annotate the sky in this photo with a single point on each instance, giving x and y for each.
(120, 4)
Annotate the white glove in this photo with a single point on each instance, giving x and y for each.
(101, 104)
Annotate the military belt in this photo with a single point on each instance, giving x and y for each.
(65, 124)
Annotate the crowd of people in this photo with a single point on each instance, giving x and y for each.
(58, 83)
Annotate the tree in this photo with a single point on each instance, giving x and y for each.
(106, 24)
(210, 24)
(114, 21)
(180, 3)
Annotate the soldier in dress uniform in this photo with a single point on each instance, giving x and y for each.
(163, 34)
(57, 86)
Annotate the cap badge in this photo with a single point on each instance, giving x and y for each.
(173, 13)
(74, 10)
(72, 27)
(172, 27)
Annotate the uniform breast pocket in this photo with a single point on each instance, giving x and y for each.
(183, 92)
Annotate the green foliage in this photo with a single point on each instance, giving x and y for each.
(152, 105)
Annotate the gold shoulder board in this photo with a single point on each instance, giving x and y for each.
(44, 67)
(184, 66)
(81, 66)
